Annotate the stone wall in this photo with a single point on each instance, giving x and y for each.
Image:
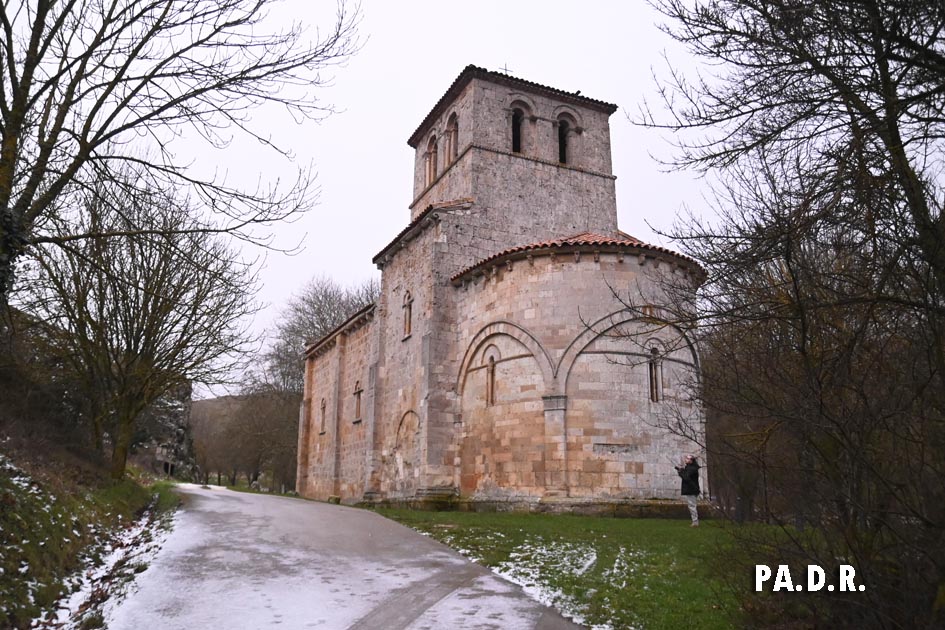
(402, 386)
(321, 399)
(574, 362)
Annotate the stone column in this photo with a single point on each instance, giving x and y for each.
(556, 446)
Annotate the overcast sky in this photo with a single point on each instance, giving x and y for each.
(412, 51)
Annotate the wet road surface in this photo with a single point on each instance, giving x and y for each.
(237, 560)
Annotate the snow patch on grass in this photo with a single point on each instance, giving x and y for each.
(538, 565)
(109, 569)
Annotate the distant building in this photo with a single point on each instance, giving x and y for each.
(497, 364)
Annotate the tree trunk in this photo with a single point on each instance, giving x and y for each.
(11, 247)
(122, 446)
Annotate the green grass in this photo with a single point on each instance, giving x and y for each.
(45, 529)
(628, 573)
(166, 499)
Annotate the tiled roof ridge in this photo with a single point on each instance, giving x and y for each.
(472, 71)
(583, 239)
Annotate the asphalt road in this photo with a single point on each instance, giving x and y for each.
(237, 560)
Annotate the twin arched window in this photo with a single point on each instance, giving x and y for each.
(565, 125)
(452, 139)
(431, 157)
(430, 161)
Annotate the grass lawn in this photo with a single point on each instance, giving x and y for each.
(605, 572)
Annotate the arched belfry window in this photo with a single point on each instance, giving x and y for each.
(408, 314)
(322, 413)
(452, 139)
(563, 129)
(430, 161)
(655, 373)
(518, 116)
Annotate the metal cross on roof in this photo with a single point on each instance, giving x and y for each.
(505, 69)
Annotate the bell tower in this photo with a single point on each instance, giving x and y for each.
(534, 160)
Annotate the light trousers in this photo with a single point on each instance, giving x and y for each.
(693, 511)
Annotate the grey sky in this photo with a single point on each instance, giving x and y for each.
(411, 54)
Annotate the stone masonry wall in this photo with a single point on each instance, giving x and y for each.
(352, 436)
(595, 388)
(519, 197)
(319, 456)
(400, 426)
(462, 107)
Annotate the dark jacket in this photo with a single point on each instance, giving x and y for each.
(690, 478)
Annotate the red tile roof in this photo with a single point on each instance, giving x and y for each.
(583, 240)
(471, 72)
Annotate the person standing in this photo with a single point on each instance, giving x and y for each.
(690, 486)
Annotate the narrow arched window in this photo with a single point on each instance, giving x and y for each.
(490, 382)
(322, 414)
(517, 117)
(452, 139)
(563, 128)
(654, 369)
(431, 160)
(408, 314)
(357, 400)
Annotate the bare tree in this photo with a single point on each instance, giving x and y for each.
(260, 433)
(84, 83)
(209, 423)
(853, 86)
(823, 314)
(142, 314)
(319, 307)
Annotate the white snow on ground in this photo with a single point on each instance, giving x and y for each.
(527, 563)
(121, 555)
(532, 564)
(26, 484)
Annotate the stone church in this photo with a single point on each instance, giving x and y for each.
(521, 348)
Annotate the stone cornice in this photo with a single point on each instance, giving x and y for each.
(471, 72)
(642, 254)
